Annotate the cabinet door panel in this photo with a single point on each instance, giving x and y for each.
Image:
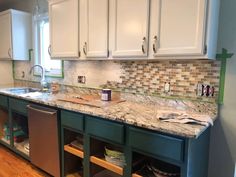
(180, 27)
(129, 27)
(104, 129)
(64, 28)
(72, 120)
(95, 28)
(157, 144)
(3, 101)
(5, 36)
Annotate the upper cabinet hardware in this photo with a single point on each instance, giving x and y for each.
(144, 45)
(49, 50)
(9, 52)
(154, 46)
(85, 48)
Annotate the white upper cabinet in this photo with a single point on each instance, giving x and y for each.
(133, 29)
(5, 36)
(15, 35)
(64, 28)
(94, 28)
(179, 28)
(129, 27)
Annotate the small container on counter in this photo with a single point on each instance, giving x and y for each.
(55, 87)
(106, 95)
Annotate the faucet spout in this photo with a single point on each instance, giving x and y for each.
(43, 80)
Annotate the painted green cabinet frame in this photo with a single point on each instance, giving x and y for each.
(191, 155)
(18, 106)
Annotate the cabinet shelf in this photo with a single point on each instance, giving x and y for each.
(77, 174)
(5, 141)
(135, 175)
(74, 151)
(107, 165)
(20, 147)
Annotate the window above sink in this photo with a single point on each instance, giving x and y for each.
(54, 68)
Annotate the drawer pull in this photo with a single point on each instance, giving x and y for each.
(41, 111)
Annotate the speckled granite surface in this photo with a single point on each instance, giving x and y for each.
(137, 110)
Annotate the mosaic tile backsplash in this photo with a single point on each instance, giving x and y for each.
(142, 77)
(150, 77)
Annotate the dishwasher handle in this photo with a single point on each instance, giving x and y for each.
(42, 110)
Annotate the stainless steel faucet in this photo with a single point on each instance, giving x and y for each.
(43, 81)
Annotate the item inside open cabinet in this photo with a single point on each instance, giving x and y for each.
(73, 154)
(20, 133)
(4, 126)
(106, 160)
(150, 167)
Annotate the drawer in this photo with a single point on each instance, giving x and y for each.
(19, 106)
(156, 144)
(72, 120)
(3, 101)
(105, 129)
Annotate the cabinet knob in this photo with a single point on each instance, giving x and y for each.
(85, 48)
(144, 45)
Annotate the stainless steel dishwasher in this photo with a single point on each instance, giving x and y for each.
(43, 139)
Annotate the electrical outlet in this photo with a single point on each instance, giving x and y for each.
(167, 87)
(205, 90)
(22, 74)
(81, 79)
(199, 90)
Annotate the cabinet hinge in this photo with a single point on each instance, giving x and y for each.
(205, 49)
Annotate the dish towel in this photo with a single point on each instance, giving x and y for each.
(186, 118)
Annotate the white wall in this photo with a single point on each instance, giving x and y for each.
(223, 138)
(6, 76)
(25, 5)
(6, 72)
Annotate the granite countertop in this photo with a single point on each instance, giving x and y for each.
(137, 110)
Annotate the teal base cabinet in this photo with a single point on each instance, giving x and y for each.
(85, 137)
(72, 129)
(5, 134)
(15, 127)
(188, 156)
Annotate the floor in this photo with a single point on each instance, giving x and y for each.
(12, 165)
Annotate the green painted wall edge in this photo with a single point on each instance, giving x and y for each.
(61, 76)
(223, 58)
(13, 70)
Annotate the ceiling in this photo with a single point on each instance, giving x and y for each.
(4, 2)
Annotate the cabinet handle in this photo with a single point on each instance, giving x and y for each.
(85, 48)
(144, 45)
(41, 111)
(154, 46)
(9, 52)
(49, 50)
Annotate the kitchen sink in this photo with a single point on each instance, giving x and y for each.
(23, 90)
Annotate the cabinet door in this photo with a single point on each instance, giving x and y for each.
(94, 28)
(5, 36)
(64, 28)
(129, 28)
(178, 27)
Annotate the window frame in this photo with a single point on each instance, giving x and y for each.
(37, 48)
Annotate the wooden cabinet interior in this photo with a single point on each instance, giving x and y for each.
(4, 126)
